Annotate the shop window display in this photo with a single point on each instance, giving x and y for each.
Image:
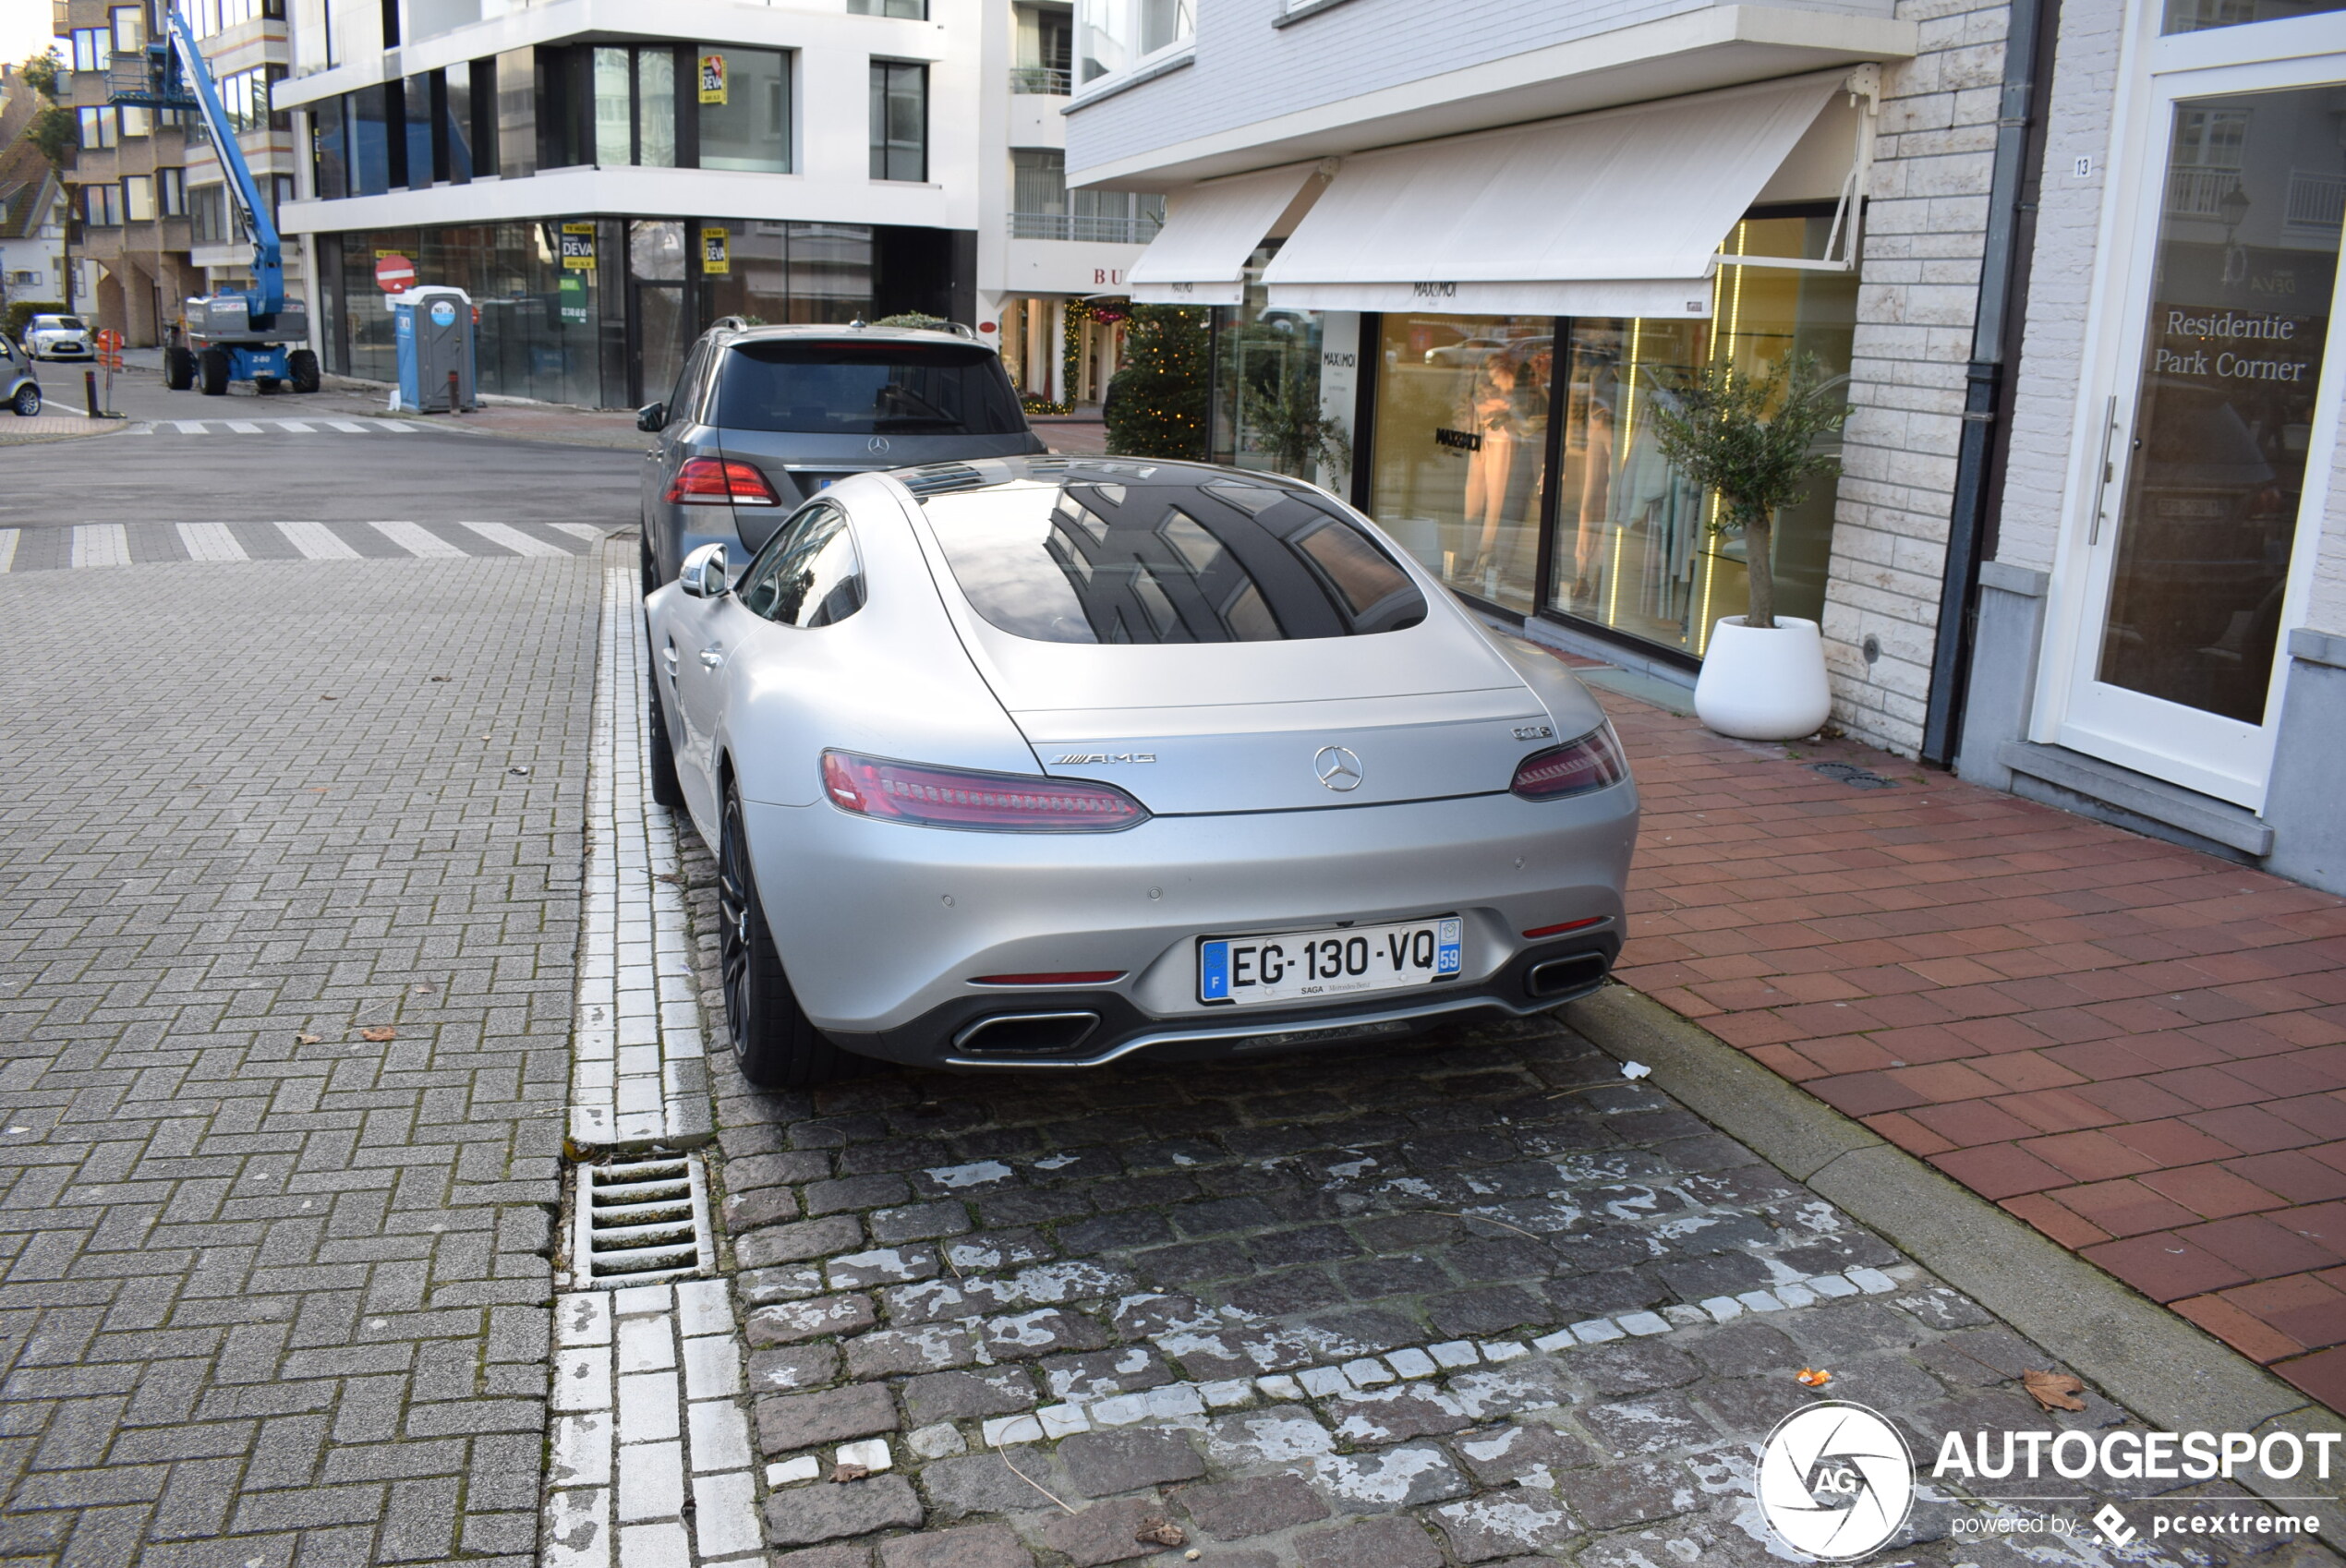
(1634, 549)
(1461, 445)
(1262, 357)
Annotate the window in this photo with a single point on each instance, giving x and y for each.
(892, 389)
(90, 48)
(329, 158)
(208, 208)
(900, 121)
(245, 97)
(280, 190)
(102, 206)
(137, 121)
(1045, 51)
(656, 108)
(916, 10)
(1226, 560)
(1112, 35)
(98, 127)
(365, 115)
(209, 17)
(808, 574)
(457, 111)
(130, 26)
(743, 99)
(171, 192)
(517, 113)
(139, 199)
(2196, 15)
(614, 109)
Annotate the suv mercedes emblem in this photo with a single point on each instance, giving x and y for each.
(1337, 767)
(877, 444)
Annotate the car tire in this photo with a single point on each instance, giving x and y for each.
(302, 364)
(178, 369)
(211, 372)
(26, 402)
(774, 1045)
(666, 791)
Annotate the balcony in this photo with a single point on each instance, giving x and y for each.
(1047, 81)
(1103, 229)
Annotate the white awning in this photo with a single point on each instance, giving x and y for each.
(1619, 212)
(1199, 258)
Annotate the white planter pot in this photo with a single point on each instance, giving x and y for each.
(1766, 685)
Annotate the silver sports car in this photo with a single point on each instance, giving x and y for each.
(1042, 762)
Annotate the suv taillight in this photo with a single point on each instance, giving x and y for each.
(714, 481)
(1001, 803)
(1592, 762)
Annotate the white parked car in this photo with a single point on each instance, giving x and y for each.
(60, 337)
(1040, 762)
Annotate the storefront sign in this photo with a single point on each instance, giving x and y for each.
(1461, 440)
(2232, 345)
(712, 79)
(570, 298)
(714, 260)
(578, 248)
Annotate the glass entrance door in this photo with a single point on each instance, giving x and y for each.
(2193, 542)
(659, 313)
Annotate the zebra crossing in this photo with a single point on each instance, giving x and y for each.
(348, 427)
(91, 545)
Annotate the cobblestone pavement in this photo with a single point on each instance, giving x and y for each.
(273, 1294)
(1474, 1300)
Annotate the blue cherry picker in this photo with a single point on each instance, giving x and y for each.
(254, 335)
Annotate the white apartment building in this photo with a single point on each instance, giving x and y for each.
(606, 178)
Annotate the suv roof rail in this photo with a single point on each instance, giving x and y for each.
(728, 324)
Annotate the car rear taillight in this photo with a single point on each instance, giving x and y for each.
(1592, 762)
(1001, 803)
(716, 481)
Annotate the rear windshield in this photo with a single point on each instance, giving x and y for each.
(1222, 561)
(877, 388)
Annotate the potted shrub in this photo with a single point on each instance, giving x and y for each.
(1752, 442)
(1284, 418)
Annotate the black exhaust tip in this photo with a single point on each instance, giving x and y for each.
(1026, 1036)
(1573, 976)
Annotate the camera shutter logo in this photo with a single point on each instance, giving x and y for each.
(1836, 1481)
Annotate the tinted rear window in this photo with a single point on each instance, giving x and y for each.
(1214, 562)
(877, 388)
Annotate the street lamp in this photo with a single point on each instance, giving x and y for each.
(2233, 206)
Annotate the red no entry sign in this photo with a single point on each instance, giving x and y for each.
(393, 274)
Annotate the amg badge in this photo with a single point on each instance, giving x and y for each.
(1084, 759)
(1534, 732)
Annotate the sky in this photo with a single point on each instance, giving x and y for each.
(24, 28)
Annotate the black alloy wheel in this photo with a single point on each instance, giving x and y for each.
(28, 400)
(774, 1045)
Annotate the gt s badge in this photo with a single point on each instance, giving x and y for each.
(1534, 732)
(1081, 759)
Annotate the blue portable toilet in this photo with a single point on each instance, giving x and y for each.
(432, 326)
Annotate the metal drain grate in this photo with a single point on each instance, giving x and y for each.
(641, 1221)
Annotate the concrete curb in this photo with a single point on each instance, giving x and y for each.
(2157, 1364)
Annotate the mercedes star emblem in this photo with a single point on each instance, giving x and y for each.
(1337, 767)
(877, 444)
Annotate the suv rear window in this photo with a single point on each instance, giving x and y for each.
(867, 388)
(1219, 562)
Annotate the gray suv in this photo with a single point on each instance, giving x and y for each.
(762, 418)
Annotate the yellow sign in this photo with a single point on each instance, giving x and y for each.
(578, 246)
(712, 79)
(714, 258)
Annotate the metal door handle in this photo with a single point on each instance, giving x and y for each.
(713, 657)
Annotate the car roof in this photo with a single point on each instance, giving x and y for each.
(960, 476)
(834, 333)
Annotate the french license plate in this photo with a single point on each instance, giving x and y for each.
(1303, 966)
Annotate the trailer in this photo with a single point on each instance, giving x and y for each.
(254, 335)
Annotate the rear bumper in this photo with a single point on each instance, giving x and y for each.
(884, 927)
(1090, 1028)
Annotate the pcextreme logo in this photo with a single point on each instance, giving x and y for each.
(1836, 1481)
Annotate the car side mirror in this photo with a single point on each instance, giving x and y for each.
(707, 572)
(652, 416)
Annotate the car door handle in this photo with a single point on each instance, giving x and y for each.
(713, 657)
(669, 653)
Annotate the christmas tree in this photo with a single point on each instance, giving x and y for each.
(1157, 406)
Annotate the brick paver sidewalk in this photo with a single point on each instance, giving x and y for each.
(2137, 1048)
